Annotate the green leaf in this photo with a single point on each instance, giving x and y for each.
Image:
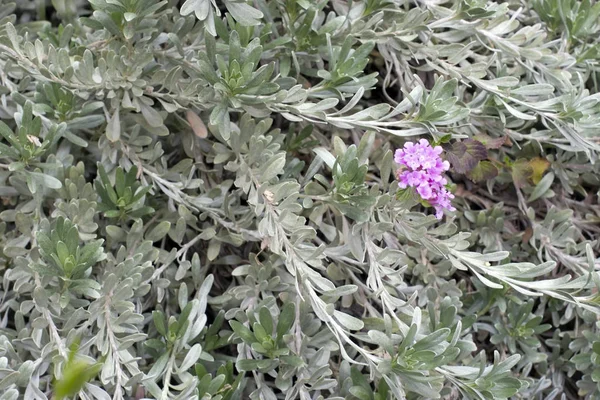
(244, 333)
(113, 128)
(247, 365)
(160, 322)
(12, 36)
(286, 319)
(266, 320)
(542, 187)
(46, 180)
(348, 321)
(272, 168)
(516, 113)
(214, 248)
(219, 117)
(200, 8)
(75, 374)
(361, 393)
(151, 115)
(596, 347)
(159, 231)
(294, 361)
(243, 13)
(191, 357)
(8, 134)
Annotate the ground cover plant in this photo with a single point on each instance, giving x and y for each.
(294, 199)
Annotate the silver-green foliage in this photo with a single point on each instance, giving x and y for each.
(198, 200)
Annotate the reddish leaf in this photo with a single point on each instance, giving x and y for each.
(521, 172)
(527, 234)
(483, 171)
(197, 124)
(491, 142)
(464, 156)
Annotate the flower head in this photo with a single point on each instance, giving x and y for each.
(422, 169)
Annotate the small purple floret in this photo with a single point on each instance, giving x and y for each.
(423, 169)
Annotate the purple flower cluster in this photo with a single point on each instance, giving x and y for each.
(423, 169)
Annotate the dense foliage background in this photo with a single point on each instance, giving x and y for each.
(199, 199)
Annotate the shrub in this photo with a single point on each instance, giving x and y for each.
(295, 199)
